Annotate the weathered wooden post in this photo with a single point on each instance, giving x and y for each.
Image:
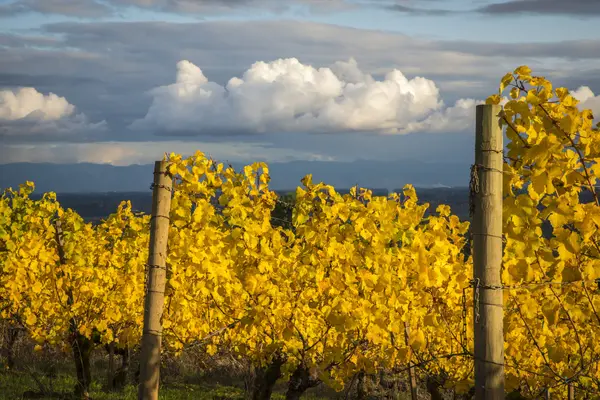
(571, 391)
(487, 254)
(412, 379)
(110, 374)
(155, 291)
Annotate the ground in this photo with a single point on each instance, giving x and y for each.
(14, 384)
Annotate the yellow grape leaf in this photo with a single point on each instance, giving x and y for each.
(31, 319)
(539, 183)
(572, 244)
(591, 271)
(523, 70)
(430, 320)
(557, 219)
(561, 92)
(556, 354)
(493, 99)
(570, 274)
(551, 311)
(307, 180)
(515, 92)
(416, 340)
(569, 101)
(37, 287)
(521, 271)
(533, 98)
(506, 80)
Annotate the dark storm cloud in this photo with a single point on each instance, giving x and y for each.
(97, 8)
(78, 8)
(104, 8)
(76, 129)
(44, 82)
(583, 8)
(401, 7)
(8, 40)
(404, 9)
(579, 8)
(137, 44)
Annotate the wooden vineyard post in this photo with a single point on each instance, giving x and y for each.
(571, 392)
(412, 379)
(110, 375)
(486, 192)
(155, 291)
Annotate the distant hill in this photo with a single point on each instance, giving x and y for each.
(77, 178)
(99, 178)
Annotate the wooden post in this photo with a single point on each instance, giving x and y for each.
(110, 375)
(571, 393)
(487, 255)
(412, 379)
(157, 276)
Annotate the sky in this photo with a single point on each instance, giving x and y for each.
(124, 81)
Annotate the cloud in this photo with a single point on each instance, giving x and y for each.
(78, 8)
(26, 102)
(588, 100)
(21, 41)
(287, 96)
(459, 117)
(127, 58)
(25, 112)
(588, 49)
(220, 6)
(582, 8)
(105, 67)
(107, 8)
(130, 153)
(405, 6)
(423, 11)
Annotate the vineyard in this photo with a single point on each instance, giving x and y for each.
(325, 289)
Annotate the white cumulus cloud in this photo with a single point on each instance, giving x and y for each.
(588, 100)
(26, 112)
(287, 96)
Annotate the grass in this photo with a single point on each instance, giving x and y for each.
(14, 384)
(191, 376)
